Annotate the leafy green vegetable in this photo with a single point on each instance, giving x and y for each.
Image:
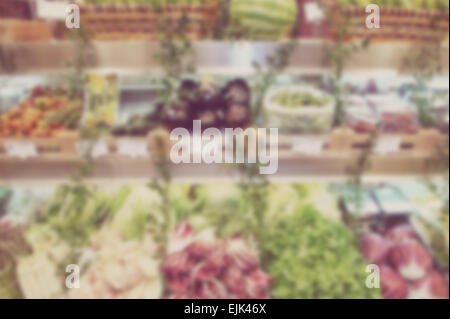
(312, 257)
(76, 212)
(131, 221)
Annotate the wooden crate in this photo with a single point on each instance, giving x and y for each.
(110, 22)
(396, 24)
(341, 150)
(14, 30)
(401, 24)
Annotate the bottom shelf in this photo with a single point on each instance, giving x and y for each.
(289, 240)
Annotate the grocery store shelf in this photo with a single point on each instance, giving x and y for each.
(301, 167)
(342, 149)
(211, 56)
(144, 180)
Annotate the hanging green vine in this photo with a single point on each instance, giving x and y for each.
(338, 53)
(176, 56)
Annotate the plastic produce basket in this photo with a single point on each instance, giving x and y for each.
(302, 119)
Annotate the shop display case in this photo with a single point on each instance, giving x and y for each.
(86, 176)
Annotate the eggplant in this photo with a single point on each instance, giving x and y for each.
(237, 92)
(208, 107)
(237, 115)
(188, 90)
(177, 115)
(236, 96)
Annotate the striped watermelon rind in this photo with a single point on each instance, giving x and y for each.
(264, 19)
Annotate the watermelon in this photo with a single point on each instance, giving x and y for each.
(264, 19)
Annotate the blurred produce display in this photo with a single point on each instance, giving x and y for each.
(320, 261)
(17, 9)
(209, 253)
(147, 20)
(12, 247)
(228, 106)
(103, 101)
(114, 20)
(397, 109)
(201, 266)
(299, 109)
(394, 239)
(120, 269)
(407, 268)
(395, 116)
(263, 19)
(15, 30)
(402, 20)
(45, 113)
(362, 150)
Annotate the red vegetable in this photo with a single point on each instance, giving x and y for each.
(374, 247)
(241, 254)
(393, 286)
(432, 286)
(401, 233)
(411, 260)
(199, 266)
(257, 284)
(234, 279)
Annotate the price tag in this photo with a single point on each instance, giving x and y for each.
(308, 146)
(313, 12)
(133, 149)
(387, 146)
(21, 150)
(55, 10)
(95, 149)
(242, 54)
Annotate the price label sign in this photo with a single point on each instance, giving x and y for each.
(22, 150)
(308, 146)
(133, 149)
(387, 146)
(313, 12)
(95, 149)
(55, 10)
(102, 100)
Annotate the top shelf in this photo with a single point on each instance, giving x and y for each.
(211, 56)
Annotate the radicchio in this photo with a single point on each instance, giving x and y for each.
(393, 286)
(374, 247)
(401, 233)
(206, 268)
(411, 260)
(432, 286)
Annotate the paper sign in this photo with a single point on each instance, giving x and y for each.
(313, 12)
(102, 101)
(55, 10)
(387, 146)
(21, 150)
(133, 149)
(308, 146)
(95, 149)
(242, 54)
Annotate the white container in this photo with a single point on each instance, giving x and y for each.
(303, 118)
